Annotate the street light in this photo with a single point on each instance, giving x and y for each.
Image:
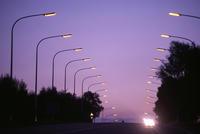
(150, 82)
(107, 108)
(110, 115)
(149, 102)
(151, 97)
(106, 102)
(49, 14)
(65, 76)
(162, 49)
(77, 73)
(152, 76)
(179, 14)
(154, 69)
(104, 96)
(36, 64)
(173, 36)
(159, 60)
(149, 90)
(102, 83)
(114, 115)
(101, 90)
(74, 49)
(113, 108)
(88, 77)
(12, 35)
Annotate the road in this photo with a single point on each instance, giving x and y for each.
(101, 128)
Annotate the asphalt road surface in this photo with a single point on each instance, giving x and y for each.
(100, 128)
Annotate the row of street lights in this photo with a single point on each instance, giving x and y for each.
(150, 98)
(86, 78)
(75, 75)
(65, 74)
(174, 36)
(66, 36)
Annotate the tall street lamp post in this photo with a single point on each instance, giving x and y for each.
(53, 62)
(12, 35)
(65, 75)
(36, 65)
(76, 75)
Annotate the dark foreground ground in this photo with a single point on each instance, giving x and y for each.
(100, 128)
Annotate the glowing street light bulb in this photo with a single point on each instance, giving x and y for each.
(113, 108)
(149, 82)
(67, 35)
(165, 35)
(152, 76)
(174, 14)
(103, 83)
(86, 59)
(154, 69)
(151, 97)
(157, 59)
(78, 49)
(106, 102)
(49, 14)
(93, 68)
(114, 115)
(98, 76)
(149, 90)
(161, 49)
(104, 96)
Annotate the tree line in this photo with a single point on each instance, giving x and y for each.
(179, 93)
(17, 104)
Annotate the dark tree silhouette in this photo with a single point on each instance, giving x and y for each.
(91, 104)
(56, 106)
(17, 105)
(13, 101)
(179, 93)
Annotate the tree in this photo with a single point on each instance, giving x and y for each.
(179, 93)
(54, 106)
(13, 101)
(91, 104)
(17, 105)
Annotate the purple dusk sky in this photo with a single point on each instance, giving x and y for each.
(119, 35)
